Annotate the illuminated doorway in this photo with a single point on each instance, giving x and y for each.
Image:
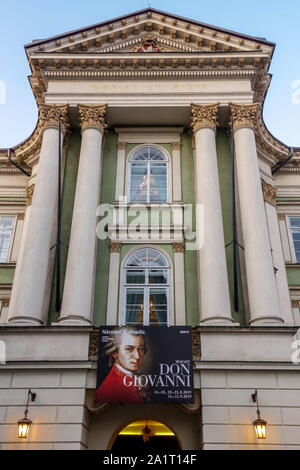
(145, 435)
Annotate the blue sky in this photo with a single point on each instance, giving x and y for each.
(25, 20)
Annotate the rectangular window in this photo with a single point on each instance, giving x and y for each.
(6, 232)
(295, 234)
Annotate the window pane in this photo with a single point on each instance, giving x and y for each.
(135, 277)
(156, 154)
(6, 227)
(295, 222)
(138, 182)
(158, 182)
(158, 306)
(140, 154)
(158, 277)
(156, 259)
(134, 306)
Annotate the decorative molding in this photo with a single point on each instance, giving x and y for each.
(20, 216)
(92, 116)
(269, 192)
(196, 346)
(115, 247)
(29, 194)
(81, 74)
(51, 115)
(281, 216)
(121, 145)
(204, 116)
(5, 302)
(176, 145)
(178, 247)
(91, 404)
(244, 115)
(191, 407)
(295, 303)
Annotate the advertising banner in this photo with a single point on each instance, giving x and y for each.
(145, 364)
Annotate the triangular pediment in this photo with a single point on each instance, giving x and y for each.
(129, 32)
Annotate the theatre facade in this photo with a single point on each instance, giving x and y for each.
(176, 207)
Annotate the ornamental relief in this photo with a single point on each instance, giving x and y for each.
(204, 116)
(29, 194)
(244, 115)
(92, 116)
(269, 193)
(52, 115)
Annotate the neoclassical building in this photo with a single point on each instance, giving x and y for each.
(174, 206)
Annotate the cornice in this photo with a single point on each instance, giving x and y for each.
(273, 147)
(149, 21)
(42, 62)
(92, 74)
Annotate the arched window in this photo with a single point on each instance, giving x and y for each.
(146, 285)
(148, 175)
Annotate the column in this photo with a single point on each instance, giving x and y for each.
(269, 195)
(179, 284)
(79, 280)
(113, 284)
(120, 174)
(28, 290)
(263, 298)
(214, 298)
(176, 171)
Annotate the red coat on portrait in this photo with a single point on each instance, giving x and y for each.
(113, 389)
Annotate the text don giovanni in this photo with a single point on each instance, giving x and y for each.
(175, 375)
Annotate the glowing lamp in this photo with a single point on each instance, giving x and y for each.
(260, 428)
(259, 424)
(25, 423)
(146, 433)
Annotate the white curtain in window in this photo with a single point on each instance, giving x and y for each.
(148, 175)
(6, 229)
(146, 285)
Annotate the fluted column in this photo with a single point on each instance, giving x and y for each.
(263, 298)
(177, 196)
(120, 174)
(179, 283)
(28, 290)
(79, 280)
(213, 280)
(113, 284)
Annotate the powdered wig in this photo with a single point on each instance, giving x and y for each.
(115, 339)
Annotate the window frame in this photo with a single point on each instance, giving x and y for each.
(168, 175)
(12, 237)
(290, 232)
(124, 286)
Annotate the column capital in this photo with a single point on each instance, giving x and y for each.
(178, 247)
(204, 116)
(269, 192)
(295, 303)
(51, 114)
(92, 116)
(29, 194)
(243, 115)
(280, 216)
(115, 247)
(176, 145)
(121, 145)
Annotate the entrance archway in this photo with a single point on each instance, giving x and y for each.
(145, 435)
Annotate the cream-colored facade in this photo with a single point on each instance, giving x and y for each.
(151, 80)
